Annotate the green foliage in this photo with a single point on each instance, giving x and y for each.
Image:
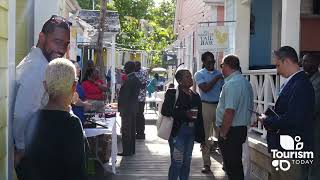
(156, 33)
(87, 4)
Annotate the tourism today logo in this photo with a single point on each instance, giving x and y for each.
(292, 153)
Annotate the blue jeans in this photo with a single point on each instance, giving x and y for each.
(181, 148)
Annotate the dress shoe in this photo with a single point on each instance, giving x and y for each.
(206, 169)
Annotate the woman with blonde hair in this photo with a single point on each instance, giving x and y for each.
(55, 146)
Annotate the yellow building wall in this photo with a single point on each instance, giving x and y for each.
(135, 57)
(104, 57)
(21, 34)
(4, 87)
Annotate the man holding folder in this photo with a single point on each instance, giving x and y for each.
(293, 113)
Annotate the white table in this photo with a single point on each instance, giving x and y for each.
(154, 100)
(112, 129)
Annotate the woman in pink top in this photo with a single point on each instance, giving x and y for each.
(94, 89)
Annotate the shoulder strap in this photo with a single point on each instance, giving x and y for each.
(176, 98)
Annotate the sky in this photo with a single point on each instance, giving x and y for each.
(158, 1)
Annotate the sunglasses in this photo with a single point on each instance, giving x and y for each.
(59, 19)
(221, 65)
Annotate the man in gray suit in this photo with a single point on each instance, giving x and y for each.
(128, 107)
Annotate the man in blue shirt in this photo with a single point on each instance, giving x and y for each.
(233, 116)
(210, 82)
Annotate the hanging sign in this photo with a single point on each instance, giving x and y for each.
(213, 37)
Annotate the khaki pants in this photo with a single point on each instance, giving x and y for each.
(210, 129)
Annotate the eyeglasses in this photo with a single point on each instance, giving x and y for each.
(221, 65)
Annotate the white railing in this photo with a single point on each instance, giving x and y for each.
(265, 84)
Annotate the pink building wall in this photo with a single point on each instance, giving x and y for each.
(190, 12)
(309, 35)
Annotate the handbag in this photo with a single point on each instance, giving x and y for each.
(165, 123)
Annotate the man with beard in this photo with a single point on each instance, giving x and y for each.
(53, 43)
(210, 82)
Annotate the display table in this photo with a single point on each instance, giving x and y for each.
(111, 129)
(157, 98)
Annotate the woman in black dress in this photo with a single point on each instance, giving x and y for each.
(55, 140)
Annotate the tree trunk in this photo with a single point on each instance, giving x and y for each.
(100, 61)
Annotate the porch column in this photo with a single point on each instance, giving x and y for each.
(239, 33)
(242, 33)
(290, 27)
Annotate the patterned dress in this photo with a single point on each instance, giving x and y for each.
(143, 77)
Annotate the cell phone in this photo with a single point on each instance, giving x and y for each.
(255, 112)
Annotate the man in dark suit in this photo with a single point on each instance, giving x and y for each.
(128, 107)
(310, 66)
(295, 105)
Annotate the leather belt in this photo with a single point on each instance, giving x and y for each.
(208, 102)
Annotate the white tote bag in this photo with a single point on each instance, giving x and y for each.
(164, 123)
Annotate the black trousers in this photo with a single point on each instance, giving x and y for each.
(231, 150)
(128, 131)
(140, 122)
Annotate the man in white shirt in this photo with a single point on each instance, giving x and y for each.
(53, 43)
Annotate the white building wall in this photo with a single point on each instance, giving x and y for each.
(43, 10)
(11, 82)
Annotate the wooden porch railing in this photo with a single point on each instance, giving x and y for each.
(265, 84)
